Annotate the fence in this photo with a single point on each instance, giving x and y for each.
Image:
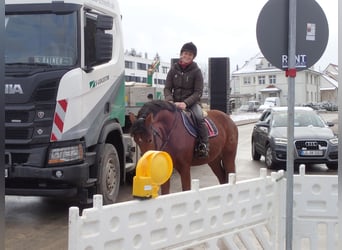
(240, 215)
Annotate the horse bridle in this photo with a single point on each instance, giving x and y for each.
(156, 134)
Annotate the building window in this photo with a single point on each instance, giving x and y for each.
(164, 69)
(130, 78)
(261, 79)
(162, 81)
(272, 79)
(246, 80)
(129, 65)
(141, 66)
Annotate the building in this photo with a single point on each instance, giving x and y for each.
(136, 69)
(258, 79)
(329, 84)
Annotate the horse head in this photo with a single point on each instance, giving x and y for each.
(141, 134)
(143, 130)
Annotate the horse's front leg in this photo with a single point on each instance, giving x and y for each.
(165, 188)
(185, 178)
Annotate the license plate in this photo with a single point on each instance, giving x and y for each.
(6, 172)
(311, 153)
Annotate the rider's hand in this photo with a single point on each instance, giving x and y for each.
(181, 105)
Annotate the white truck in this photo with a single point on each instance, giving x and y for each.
(65, 100)
(270, 102)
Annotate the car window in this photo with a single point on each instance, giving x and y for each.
(307, 119)
(279, 120)
(268, 118)
(264, 115)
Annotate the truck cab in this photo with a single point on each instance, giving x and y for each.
(65, 100)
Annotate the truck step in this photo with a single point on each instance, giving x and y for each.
(91, 181)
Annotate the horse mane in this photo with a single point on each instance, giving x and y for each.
(153, 107)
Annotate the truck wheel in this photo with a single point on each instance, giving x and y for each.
(108, 183)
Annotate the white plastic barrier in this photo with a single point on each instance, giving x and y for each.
(315, 222)
(245, 215)
(233, 216)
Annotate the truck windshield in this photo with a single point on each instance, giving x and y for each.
(41, 39)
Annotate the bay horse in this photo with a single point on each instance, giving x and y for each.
(159, 126)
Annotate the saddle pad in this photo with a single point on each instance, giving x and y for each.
(210, 125)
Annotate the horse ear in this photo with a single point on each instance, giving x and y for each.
(149, 119)
(132, 117)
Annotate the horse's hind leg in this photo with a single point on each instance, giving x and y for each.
(218, 170)
(228, 161)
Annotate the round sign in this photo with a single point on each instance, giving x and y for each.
(312, 33)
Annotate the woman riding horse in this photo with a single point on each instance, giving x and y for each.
(184, 87)
(160, 126)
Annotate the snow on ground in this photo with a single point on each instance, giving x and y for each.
(242, 116)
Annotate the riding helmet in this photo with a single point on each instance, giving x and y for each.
(189, 47)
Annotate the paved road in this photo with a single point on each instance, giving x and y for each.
(41, 223)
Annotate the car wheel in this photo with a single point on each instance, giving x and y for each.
(332, 166)
(269, 158)
(255, 155)
(108, 174)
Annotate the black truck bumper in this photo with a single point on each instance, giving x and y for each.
(62, 181)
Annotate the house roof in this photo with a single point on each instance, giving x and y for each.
(250, 66)
(332, 81)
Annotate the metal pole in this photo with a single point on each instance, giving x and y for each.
(290, 127)
(2, 127)
(339, 128)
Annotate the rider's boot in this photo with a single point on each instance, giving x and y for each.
(203, 145)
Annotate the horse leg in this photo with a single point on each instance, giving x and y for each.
(228, 160)
(185, 178)
(218, 170)
(165, 188)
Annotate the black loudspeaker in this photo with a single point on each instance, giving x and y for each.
(219, 84)
(174, 60)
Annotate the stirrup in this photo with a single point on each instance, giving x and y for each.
(202, 150)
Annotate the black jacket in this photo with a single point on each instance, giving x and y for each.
(184, 85)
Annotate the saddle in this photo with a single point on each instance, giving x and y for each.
(189, 124)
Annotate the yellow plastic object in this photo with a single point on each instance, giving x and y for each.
(153, 169)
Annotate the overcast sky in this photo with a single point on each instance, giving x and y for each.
(219, 28)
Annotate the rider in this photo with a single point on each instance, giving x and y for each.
(184, 87)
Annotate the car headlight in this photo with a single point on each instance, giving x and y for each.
(334, 141)
(280, 141)
(66, 154)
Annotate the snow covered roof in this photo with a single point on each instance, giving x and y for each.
(330, 80)
(251, 66)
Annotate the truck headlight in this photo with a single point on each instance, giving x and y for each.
(66, 154)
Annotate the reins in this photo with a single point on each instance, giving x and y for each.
(155, 134)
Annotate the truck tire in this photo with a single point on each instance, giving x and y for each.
(108, 183)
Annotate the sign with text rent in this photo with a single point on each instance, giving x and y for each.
(312, 33)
